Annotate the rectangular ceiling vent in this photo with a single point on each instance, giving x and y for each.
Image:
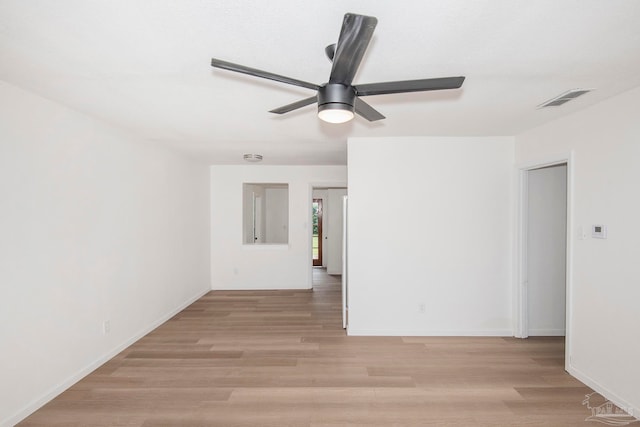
(564, 98)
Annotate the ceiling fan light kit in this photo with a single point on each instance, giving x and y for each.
(336, 103)
(339, 100)
(335, 113)
(253, 158)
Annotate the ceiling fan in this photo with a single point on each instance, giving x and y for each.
(338, 98)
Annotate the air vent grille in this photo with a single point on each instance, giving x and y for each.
(564, 98)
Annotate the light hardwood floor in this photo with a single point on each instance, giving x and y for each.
(281, 358)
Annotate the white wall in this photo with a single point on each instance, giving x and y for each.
(238, 266)
(430, 225)
(94, 226)
(605, 319)
(546, 250)
(333, 232)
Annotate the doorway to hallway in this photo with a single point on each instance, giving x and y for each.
(546, 250)
(543, 291)
(317, 232)
(328, 243)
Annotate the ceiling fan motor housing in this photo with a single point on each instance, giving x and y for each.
(338, 100)
(336, 96)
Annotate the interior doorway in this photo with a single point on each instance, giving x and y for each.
(328, 242)
(326, 205)
(317, 232)
(546, 250)
(543, 291)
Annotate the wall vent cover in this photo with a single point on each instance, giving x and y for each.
(564, 98)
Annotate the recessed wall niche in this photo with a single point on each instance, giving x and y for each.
(265, 212)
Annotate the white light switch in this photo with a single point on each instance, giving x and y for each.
(582, 234)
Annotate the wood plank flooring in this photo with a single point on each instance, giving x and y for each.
(281, 358)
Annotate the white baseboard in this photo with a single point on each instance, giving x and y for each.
(269, 287)
(64, 385)
(606, 393)
(430, 333)
(547, 332)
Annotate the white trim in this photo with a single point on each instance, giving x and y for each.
(605, 392)
(345, 277)
(520, 295)
(520, 307)
(547, 332)
(261, 286)
(64, 385)
(429, 333)
(569, 263)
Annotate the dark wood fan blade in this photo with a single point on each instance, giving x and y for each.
(295, 105)
(367, 111)
(409, 86)
(354, 39)
(217, 63)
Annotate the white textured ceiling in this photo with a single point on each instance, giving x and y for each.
(144, 65)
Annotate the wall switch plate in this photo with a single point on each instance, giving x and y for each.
(582, 234)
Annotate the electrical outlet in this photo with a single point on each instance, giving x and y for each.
(106, 327)
(422, 308)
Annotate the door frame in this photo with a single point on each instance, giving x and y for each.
(320, 213)
(345, 269)
(520, 303)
